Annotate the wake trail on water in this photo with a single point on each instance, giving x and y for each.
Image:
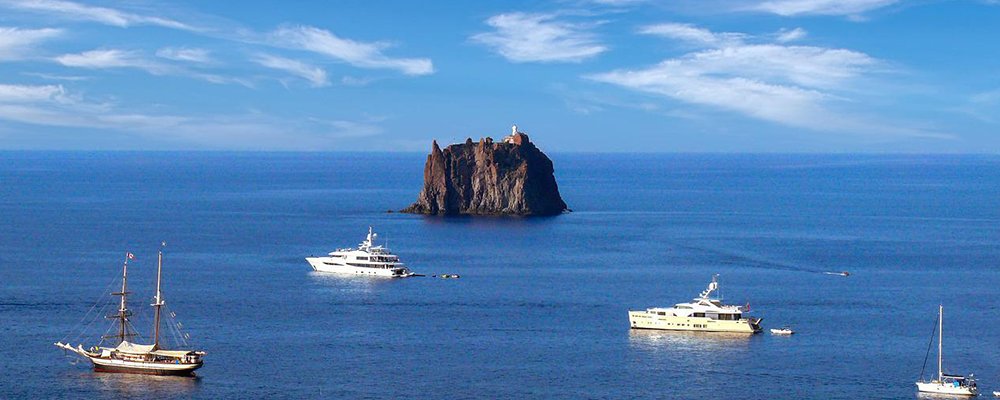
(755, 261)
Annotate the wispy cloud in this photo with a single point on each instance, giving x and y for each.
(358, 54)
(31, 93)
(786, 35)
(109, 58)
(315, 75)
(692, 34)
(799, 86)
(16, 43)
(194, 55)
(118, 58)
(82, 12)
(790, 8)
(53, 105)
(522, 37)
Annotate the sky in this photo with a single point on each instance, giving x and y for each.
(787, 76)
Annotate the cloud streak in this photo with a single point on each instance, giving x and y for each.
(315, 75)
(523, 38)
(791, 8)
(81, 12)
(798, 86)
(358, 54)
(53, 105)
(16, 43)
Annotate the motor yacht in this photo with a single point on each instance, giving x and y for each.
(367, 259)
(705, 313)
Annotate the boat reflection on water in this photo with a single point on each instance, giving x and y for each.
(688, 342)
(345, 283)
(146, 386)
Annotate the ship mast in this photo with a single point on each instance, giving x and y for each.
(159, 299)
(940, 345)
(123, 312)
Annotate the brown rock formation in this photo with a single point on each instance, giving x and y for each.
(487, 178)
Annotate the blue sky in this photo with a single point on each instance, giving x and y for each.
(576, 75)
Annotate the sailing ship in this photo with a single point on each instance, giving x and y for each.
(130, 357)
(705, 314)
(945, 384)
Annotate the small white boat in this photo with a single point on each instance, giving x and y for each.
(958, 385)
(996, 394)
(782, 331)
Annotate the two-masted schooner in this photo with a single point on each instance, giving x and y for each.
(130, 357)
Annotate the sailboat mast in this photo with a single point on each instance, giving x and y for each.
(159, 301)
(123, 310)
(940, 338)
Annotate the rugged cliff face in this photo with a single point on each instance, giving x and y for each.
(512, 177)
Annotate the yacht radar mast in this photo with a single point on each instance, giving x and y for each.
(712, 287)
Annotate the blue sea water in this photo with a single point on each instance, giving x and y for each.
(540, 310)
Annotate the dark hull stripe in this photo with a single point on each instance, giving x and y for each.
(692, 330)
(144, 371)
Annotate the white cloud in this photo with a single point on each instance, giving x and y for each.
(785, 36)
(117, 58)
(790, 8)
(799, 86)
(82, 12)
(693, 34)
(200, 56)
(315, 75)
(521, 37)
(358, 54)
(108, 58)
(53, 106)
(16, 43)
(31, 93)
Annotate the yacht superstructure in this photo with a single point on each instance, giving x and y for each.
(704, 313)
(367, 259)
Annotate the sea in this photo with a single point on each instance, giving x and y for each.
(540, 310)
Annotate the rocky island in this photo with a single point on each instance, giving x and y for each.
(511, 177)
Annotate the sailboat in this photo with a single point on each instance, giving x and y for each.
(130, 357)
(946, 384)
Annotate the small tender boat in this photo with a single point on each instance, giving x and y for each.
(945, 383)
(996, 394)
(841, 273)
(449, 276)
(782, 331)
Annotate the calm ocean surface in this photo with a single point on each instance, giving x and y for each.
(540, 310)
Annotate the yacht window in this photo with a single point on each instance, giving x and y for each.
(699, 314)
(363, 258)
(661, 313)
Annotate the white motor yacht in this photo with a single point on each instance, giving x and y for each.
(704, 313)
(367, 259)
(946, 384)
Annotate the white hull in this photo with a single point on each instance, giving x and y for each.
(330, 265)
(945, 388)
(644, 320)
